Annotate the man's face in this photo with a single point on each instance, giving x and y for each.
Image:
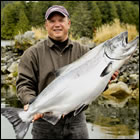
(57, 26)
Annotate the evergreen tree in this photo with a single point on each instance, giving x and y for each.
(135, 2)
(23, 23)
(29, 9)
(70, 6)
(128, 13)
(112, 11)
(37, 15)
(3, 3)
(82, 21)
(96, 16)
(121, 13)
(8, 22)
(108, 11)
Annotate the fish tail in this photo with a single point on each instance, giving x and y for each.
(20, 127)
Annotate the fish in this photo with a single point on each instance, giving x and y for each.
(76, 85)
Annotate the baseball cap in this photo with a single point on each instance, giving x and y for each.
(56, 8)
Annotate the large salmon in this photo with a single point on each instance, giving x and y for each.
(76, 85)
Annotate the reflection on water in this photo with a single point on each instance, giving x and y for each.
(7, 43)
(104, 121)
(115, 121)
(8, 96)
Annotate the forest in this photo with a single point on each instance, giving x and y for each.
(86, 16)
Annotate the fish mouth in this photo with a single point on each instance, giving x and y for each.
(131, 47)
(118, 47)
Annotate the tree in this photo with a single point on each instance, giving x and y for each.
(23, 23)
(128, 13)
(8, 22)
(82, 21)
(3, 3)
(135, 2)
(11, 15)
(96, 16)
(36, 14)
(108, 11)
(70, 6)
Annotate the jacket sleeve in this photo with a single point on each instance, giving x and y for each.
(84, 49)
(27, 80)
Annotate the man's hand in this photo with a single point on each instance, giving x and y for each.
(114, 76)
(36, 116)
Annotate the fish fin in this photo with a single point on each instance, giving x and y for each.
(107, 69)
(79, 110)
(49, 117)
(20, 127)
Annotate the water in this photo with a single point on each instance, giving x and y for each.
(7, 43)
(103, 122)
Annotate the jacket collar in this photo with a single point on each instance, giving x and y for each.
(51, 44)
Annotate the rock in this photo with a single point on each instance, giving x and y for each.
(4, 59)
(10, 61)
(135, 94)
(29, 35)
(13, 67)
(23, 41)
(87, 42)
(4, 69)
(118, 93)
(120, 86)
(133, 80)
(134, 76)
(10, 76)
(3, 79)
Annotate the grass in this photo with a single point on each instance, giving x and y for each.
(40, 33)
(107, 31)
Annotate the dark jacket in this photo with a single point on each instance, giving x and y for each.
(38, 65)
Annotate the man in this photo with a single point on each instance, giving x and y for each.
(36, 71)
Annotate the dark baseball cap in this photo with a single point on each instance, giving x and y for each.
(56, 8)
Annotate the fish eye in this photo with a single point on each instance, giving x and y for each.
(126, 39)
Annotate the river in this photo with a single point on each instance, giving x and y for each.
(7, 42)
(103, 121)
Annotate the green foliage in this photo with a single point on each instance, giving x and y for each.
(135, 2)
(71, 6)
(96, 16)
(108, 11)
(13, 20)
(8, 22)
(128, 13)
(82, 21)
(3, 3)
(37, 14)
(86, 16)
(23, 23)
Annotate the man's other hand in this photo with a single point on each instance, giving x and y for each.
(36, 116)
(114, 76)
